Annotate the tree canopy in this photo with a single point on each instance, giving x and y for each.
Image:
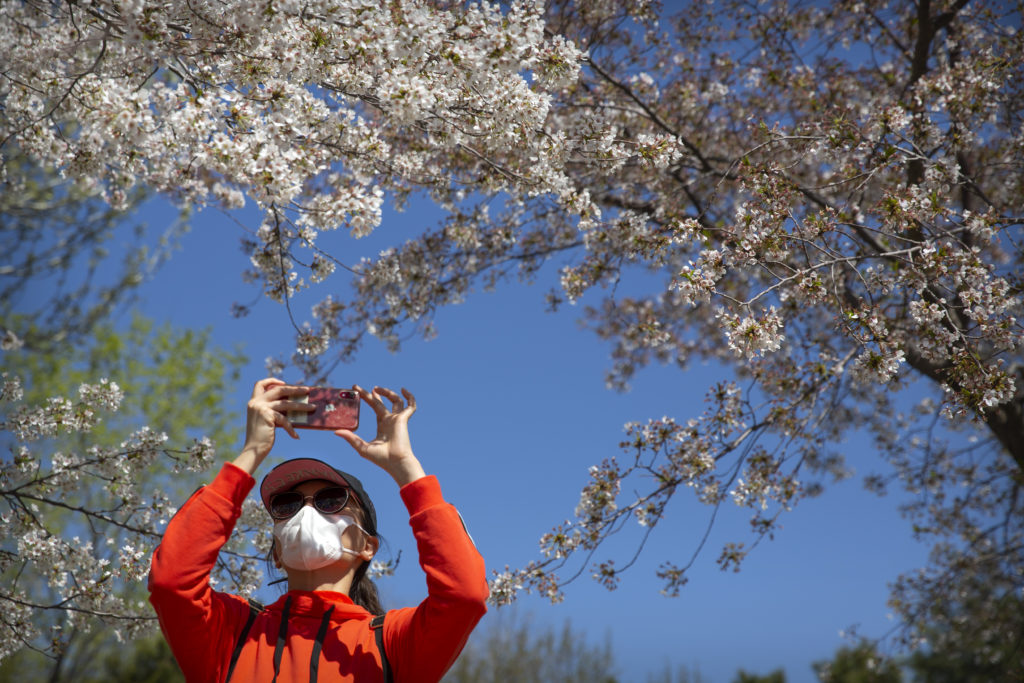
(95, 470)
(827, 199)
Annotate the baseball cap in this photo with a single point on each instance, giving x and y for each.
(291, 473)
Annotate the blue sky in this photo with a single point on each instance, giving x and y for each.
(513, 410)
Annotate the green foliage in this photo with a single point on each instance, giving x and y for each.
(507, 651)
(149, 661)
(25, 665)
(682, 674)
(173, 380)
(146, 660)
(70, 262)
(777, 676)
(860, 664)
(983, 647)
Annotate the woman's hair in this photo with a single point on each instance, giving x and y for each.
(364, 591)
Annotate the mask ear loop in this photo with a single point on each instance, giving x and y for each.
(358, 526)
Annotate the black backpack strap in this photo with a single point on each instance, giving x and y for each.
(282, 635)
(254, 609)
(378, 634)
(318, 645)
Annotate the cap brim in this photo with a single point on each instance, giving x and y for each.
(290, 474)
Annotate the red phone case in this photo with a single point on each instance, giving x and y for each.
(335, 409)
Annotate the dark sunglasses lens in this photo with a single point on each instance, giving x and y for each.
(330, 500)
(284, 505)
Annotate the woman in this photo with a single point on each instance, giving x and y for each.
(325, 535)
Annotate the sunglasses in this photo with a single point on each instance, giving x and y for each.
(328, 500)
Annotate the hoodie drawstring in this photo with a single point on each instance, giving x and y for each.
(281, 634)
(314, 659)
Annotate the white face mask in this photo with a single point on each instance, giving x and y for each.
(311, 540)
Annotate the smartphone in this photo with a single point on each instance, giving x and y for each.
(335, 409)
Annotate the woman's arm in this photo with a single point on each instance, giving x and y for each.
(422, 642)
(198, 622)
(195, 619)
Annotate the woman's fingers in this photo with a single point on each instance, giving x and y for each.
(398, 403)
(353, 439)
(372, 399)
(278, 392)
(285, 406)
(411, 399)
(277, 395)
(264, 385)
(282, 390)
(281, 421)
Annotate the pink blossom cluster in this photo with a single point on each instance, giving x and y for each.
(309, 109)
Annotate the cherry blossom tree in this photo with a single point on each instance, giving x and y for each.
(831, 196)
(122, 97)
(94, 471)
(74, 550)
(54, 238)
(819, 188)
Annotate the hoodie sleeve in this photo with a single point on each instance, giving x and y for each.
(193, 617)
(422, 642)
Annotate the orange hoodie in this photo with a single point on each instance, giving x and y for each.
(203, 626)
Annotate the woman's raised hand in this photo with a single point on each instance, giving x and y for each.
(271, 399)
(390, 449)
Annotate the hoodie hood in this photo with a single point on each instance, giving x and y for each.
(314, 604)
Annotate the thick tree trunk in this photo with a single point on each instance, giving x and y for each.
(1007, 423)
